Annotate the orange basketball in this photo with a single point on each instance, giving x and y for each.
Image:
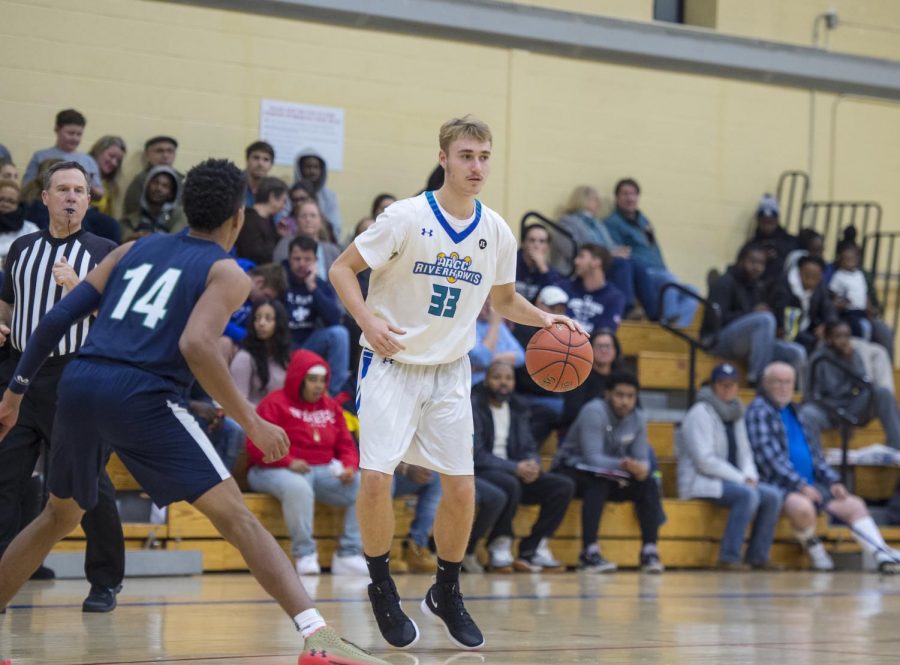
(558, 359)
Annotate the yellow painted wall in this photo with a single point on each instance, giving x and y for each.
(703, 148)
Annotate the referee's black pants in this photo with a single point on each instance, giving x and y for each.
(104, 563)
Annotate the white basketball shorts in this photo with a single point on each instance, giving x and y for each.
(419, 414)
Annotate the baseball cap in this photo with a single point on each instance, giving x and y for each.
(160, 139)
(768, 207)
(553, 295)
(724, 371)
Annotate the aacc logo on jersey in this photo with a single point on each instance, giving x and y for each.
(450, 266)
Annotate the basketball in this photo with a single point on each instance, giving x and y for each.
(558, 359)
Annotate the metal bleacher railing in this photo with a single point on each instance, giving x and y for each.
(880, 249)
(704, 343)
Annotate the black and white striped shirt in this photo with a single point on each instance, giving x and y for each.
(29, 287)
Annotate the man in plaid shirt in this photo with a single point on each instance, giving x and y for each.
(787, 457)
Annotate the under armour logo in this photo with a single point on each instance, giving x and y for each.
(427, 232)
(482, 243)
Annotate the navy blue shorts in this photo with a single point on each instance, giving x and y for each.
(138, 415)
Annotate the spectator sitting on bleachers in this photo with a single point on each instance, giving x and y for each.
(790, 458)
(854, 296)
(425, 485)
(803, 302)
(267, 282)
(299, 193)
(12, 217)
(533, 271)
(311, 224)
(259, 236)
(493, 341)
(313, 312)
(259, 156)
(158, 151)
(630, 228)
(809, 243)
(490, 502)
(310, 166)
(546, 407)
(833, 391)
(506, 456)
(69, 128)
(8, 170)
(607, 359)
(380, 204)
(748, 325)
(773, 238)
(160, 208)
(321, 465)
(108, 152)
(582, 221)
(607, 454)
(715, 463)
(593, 301)
(260, 366)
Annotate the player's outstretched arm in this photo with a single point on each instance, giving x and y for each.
(227, 288)
(378, 332)
(511, 305)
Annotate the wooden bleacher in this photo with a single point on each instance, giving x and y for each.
(689, 539)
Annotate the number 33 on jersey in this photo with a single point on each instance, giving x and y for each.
(431, 274)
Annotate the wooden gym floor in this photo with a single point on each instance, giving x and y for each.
(678, 618)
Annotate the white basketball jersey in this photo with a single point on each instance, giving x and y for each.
(430, 278)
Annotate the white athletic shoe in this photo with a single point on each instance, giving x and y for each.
(353, 564)
(470, 564)
(308, 565)
(819, 558)
(888, 563)
(543, 557)
(500, 549)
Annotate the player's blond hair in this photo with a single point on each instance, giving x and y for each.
(468, 127)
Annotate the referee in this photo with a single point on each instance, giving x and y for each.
(40, 269)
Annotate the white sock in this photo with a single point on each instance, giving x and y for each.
(867, 527)
(308, 622)
(805, 535)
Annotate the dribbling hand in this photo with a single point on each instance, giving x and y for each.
(271, 440)
(378, 334)
(9, 412)
(574, 326)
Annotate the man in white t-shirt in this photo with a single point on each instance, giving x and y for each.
(435, 258)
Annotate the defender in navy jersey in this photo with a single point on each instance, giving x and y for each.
(163, 302)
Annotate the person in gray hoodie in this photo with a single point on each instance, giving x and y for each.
(715, 463)
(311, 167)
(160, 209)
(607, 454)
(831, 390)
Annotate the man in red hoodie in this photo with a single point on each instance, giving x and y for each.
(321, 465)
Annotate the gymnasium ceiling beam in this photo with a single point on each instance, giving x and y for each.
(579, 36)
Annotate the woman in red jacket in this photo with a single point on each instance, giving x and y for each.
(322, 464)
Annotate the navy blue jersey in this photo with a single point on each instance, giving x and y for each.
(147, 302)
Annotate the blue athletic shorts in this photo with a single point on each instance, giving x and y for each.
(103, 404)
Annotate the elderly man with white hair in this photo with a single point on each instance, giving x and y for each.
(789, 458)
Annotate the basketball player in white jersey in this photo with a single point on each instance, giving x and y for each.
(434, 258)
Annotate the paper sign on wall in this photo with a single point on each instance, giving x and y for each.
(292, 127)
